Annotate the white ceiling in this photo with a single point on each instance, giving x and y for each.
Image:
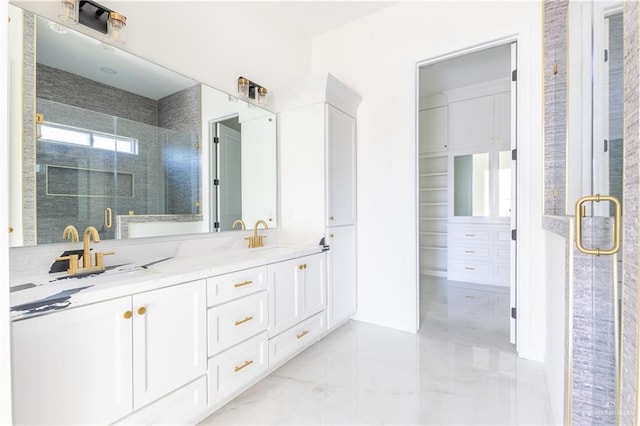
(465, 70)
(82, 55)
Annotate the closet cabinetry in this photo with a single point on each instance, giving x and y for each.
(318, 179)
(111, 358)
(480, 121)
(433, 196)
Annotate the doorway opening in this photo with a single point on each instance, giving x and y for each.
(467, 188)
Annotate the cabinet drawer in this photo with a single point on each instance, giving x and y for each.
(179, 407)
(236, 321)
(469, 271)
(235, 368)
(470, 253)
(295, 339)
(227, 287)
(503, 254)
(503, 235)
(469, 234)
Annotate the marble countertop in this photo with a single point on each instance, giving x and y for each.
(52, 292)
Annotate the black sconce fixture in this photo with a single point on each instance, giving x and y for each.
(95, 16)
(247, 89)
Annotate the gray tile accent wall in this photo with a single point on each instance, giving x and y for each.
(29, 130)
(629, 349)
(555, 105)
(181, 112)
(60, 86)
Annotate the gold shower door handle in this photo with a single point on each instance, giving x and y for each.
(579, 214)
(108, 217)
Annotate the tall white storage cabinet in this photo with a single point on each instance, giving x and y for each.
(317, 134)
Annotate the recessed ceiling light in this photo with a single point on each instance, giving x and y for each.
(108, 70)
(107, 47)
(57, 28)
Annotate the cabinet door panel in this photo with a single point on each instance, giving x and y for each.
(502, 119)
(284, 296)
(341, 134)
(433, 130)
(74, 366)
(471, 122)
(341, 266)
(315, 289)
(169, 340)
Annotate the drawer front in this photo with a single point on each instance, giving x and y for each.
(236, 321)
(470, 253)
(295, 339)
(469, 234)
(179, 407)
(469, 271)
(224, 288)
(503, 254)
(235, 368)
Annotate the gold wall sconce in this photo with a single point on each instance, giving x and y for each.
(248, 90)
(95, 16)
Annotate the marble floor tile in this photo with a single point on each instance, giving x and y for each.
(459, 369)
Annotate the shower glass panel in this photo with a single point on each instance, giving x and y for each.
(92, 167)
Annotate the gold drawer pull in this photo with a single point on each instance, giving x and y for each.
(246, 364)
(128, 315)
(303, 266)
(469, 268)
(142, 310)
(469, 235)
(469, 251)
(243, 283)
(301, 335)
(242, 321)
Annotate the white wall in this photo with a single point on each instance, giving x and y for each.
(377, 57)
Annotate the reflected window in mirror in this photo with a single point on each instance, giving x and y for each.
(471, 185)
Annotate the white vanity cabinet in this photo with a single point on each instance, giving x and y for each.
(237, 339)
(317, 136)
(297, 300)
(97, 363)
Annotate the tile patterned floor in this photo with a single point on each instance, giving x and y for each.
(459, 369)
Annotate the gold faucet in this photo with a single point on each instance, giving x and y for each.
(86, 254)
(70, 232)
(257, 240)
(87, 265)
(239, 222)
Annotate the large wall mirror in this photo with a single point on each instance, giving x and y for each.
(100, 137)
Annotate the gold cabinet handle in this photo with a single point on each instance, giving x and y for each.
(127, 315)
(240, 367)
(242, 321)
(10, 229)
(243, 283)
(301, 335)
(330, 217)
(331, 235)
(142, 310)
(303, 266)
(108, 217)
(579, 214)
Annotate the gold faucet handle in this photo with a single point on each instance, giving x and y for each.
(73, 263)
(100, 258)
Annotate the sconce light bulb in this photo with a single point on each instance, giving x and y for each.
(262, 95)
(116, 27)
(243, 88)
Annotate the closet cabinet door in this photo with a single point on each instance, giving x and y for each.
(471, 122)
(74, 366)
(502, 119)
(433, 130)
(341, 267)
(341, 176)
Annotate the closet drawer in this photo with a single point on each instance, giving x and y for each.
(469, 234)
(235, 368)
(295, 339)
(223, 288)
(471, 252)
(236, 321)
(469, 271)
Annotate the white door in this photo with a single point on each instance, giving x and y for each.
(341, 267)
(169, 340)
(284, 296)
(230, 176)
(313, 275)
(74, 366)
(341, 132)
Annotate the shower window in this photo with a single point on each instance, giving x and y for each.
(58, 133)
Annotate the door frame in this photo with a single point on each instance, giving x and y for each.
(521, 216)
